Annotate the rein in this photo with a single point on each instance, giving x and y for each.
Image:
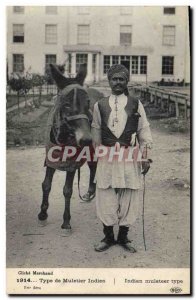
(79, 193)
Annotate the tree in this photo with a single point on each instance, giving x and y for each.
(38, 81)
(16, 84)
(26, 84)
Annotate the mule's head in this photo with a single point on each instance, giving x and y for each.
(73, 101)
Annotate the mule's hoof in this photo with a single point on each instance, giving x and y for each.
(66, 226)
(89, 196)
(42, 223)
(42, 216)
(66, 229)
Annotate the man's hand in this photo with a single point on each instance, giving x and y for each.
(146, 166)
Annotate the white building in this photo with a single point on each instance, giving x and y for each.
(151, 41)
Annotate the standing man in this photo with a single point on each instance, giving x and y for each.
(118, 121)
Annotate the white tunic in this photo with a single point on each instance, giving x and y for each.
(121, 174)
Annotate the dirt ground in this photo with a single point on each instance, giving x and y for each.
(167, 214)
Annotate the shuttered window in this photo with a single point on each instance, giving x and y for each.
(83, 34)
(169, 35)
(18, 9)
(168, 10)
(50, 34)
(18, 62)
(167, 65)
(51, 10)
(125, 34)
(18, 33)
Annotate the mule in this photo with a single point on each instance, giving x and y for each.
(70, 127)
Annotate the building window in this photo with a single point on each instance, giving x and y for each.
(18, 62)
(169, 10)
(124, 58)
(83, 10)
(125, 34)
(51, 34)
(167, 65)
(126, 10)
(51, 10)
(115, 59)
(83, 34)
(143, 64)
(18, 9)
(169, 35)
(49, 59)
(138, 63)
(134, 64)
(81, 58)
(106, 63)
(18, 33)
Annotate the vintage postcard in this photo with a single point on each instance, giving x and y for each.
(98, 109)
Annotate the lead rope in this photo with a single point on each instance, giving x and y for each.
(144, 191)
(79, 185)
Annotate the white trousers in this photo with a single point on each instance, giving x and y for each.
(119, 208)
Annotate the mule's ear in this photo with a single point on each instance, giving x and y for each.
(80, 77)
(61, 81)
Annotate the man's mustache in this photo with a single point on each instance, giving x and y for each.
(117, 85)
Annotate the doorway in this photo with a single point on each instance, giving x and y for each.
(125, 61)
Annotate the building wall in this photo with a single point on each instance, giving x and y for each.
(34, 47)
(147, 30)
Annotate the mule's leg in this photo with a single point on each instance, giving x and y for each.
(67, 192)
(46, 187)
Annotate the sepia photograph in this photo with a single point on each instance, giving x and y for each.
(98, 187)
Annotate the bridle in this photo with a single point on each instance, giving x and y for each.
(76, 116)
(69, 118)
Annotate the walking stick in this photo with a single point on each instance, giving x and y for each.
(143, 208)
